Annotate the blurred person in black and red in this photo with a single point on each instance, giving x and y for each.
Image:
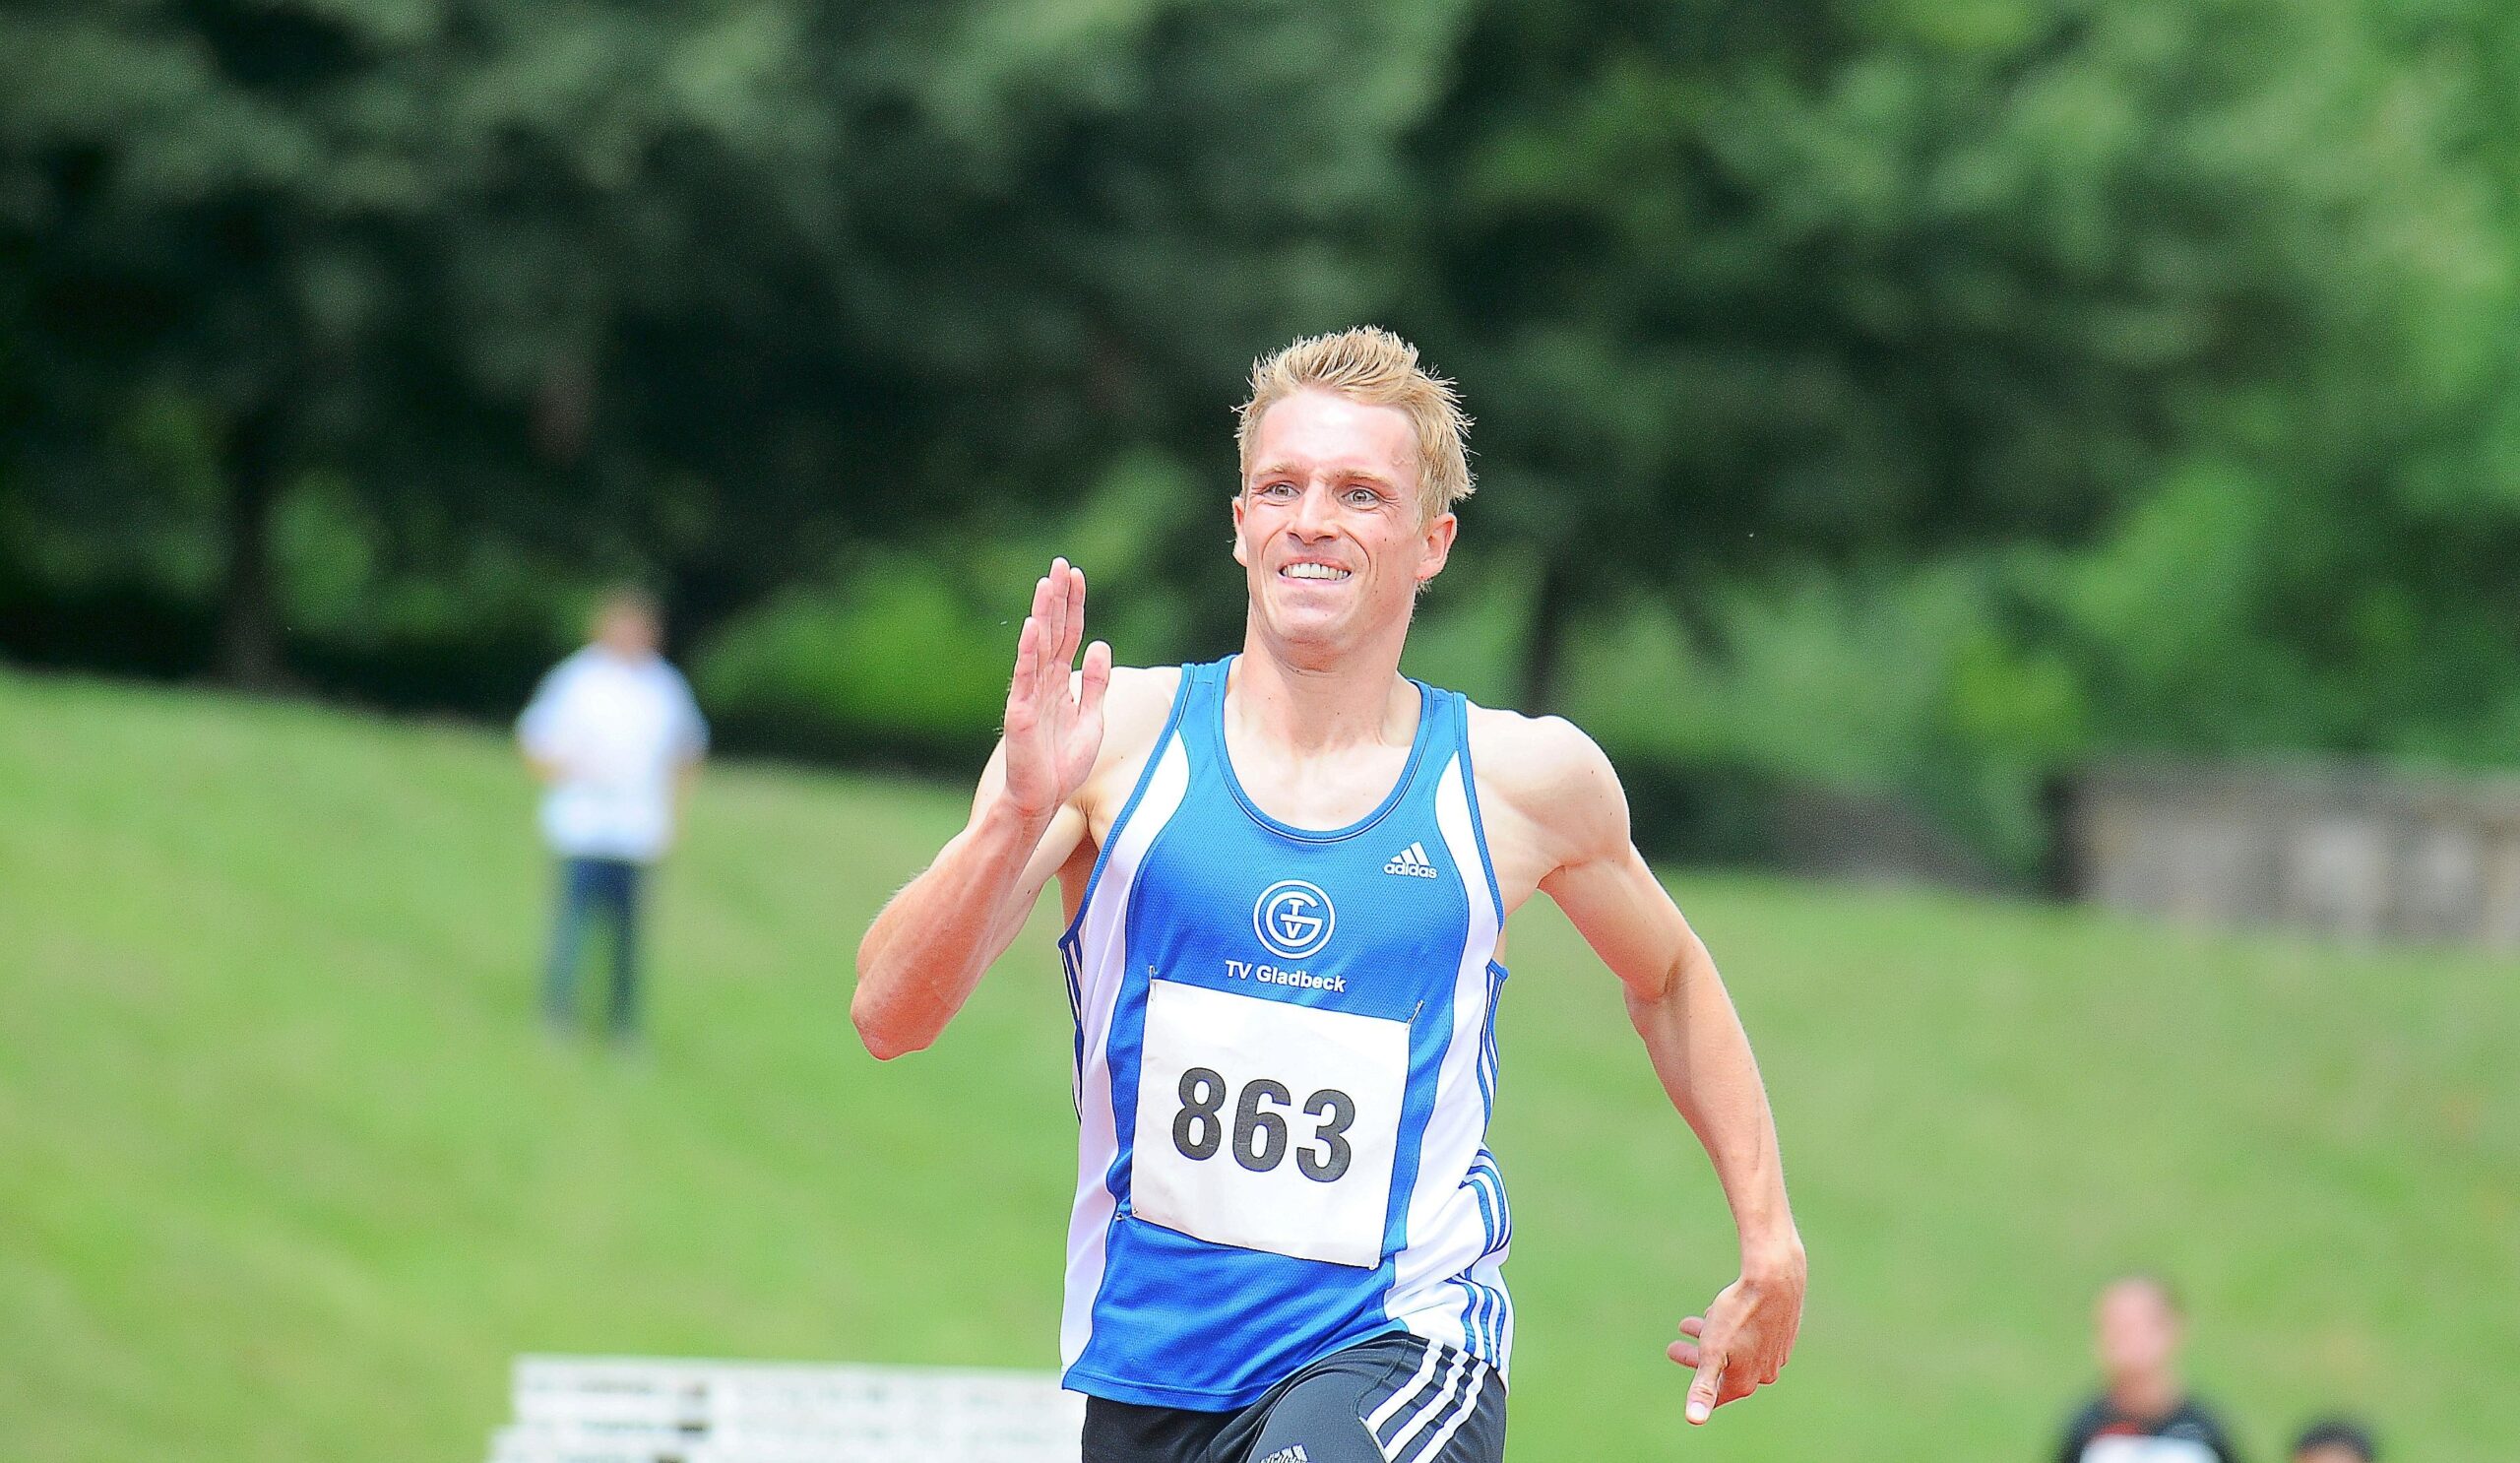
(2145, 1414)
(2336, 1441)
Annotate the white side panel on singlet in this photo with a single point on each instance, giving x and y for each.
(1446, 1236)
(1099, 965)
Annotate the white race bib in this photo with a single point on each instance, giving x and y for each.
(1268, 1126)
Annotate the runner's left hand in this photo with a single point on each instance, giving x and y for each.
(1742, 1342)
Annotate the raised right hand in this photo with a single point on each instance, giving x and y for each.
(1054, 721)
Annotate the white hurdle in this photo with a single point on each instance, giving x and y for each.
(636, 1410)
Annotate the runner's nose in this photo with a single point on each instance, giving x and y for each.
(1313, 514)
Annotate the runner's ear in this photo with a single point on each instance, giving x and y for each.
(1439, 546)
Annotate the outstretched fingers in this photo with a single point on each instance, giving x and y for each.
(1059, 606)
(1071, 602)
(1051, 597)
(1096, 679)
(1048, 603)
(1054, 712)
(1020, 694)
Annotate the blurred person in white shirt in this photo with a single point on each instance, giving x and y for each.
(614, 736)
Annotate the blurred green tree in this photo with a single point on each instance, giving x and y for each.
(2333, 561)
(1756, 286)
(375, 235)
(1042, 244)
(703, 292)
(2156, 365)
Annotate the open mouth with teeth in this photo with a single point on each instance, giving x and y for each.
(1318, 573)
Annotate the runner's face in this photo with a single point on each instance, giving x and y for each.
(1327, 525)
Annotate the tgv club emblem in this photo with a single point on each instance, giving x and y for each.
(1294, 919)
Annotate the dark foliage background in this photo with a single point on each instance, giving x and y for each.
(1900, 401)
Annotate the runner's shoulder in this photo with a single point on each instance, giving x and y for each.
(1134, 710)
(1545, 766)
(1141, 694)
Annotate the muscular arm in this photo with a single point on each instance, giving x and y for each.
(1570, 801)
(926, 951)
(1693, 1034)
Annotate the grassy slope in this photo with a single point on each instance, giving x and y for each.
(286, 1171)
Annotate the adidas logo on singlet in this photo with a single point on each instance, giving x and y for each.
(1413, 862)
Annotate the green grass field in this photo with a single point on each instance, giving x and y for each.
(288, 1172)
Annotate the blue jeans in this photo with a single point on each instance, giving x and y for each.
(592, 891)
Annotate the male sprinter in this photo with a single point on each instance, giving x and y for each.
(1287, 875)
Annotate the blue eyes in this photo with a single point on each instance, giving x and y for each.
(1354, 497)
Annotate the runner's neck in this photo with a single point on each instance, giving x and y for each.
(1361, 702)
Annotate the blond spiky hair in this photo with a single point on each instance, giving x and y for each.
(1372, 365)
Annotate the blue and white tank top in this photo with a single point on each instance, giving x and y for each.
(1285, 1065)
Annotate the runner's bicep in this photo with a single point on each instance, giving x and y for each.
(1627, 916)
